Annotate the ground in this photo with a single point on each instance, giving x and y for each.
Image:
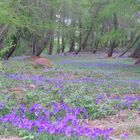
(109, 88)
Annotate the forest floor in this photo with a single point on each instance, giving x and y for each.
(109, 88)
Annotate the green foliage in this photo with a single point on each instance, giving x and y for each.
(1, 66)
(7, 48)
(74, 94)
(71, 19)
(117, 35)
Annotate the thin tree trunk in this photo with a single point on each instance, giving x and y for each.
(72, 44)
(130, 45)
(128, 48)
(50, 47)
(138, 61)
(80, 39)
(12, 50)
(136, 52)
(97, 45)
(3, 35)
(97, 41)
(113, 44)
(58, 43)
(83, 44)
(63, 44)
(33, 46)
(41, 46)
(80, 34)
(111, 49)
(125, 43)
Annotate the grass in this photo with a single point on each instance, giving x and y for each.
(75, 80)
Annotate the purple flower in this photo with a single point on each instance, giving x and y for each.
(68, 125)
(126, 136)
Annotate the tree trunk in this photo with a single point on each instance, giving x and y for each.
(12, 50)
(131, 44)
(113, 44)
(83, 44)
(3, 35)
(63, 44)
(80, 34)
(50, 47)
(97, 41)
(136, 52)
(33, 45)
(80, 39)
(58, 43)
(72, 44)
(138, 61)
(39, 51)
(111, 49)
(41, 46)
(97, 45)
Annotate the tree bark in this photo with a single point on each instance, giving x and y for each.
(138, 61)
(3, 35)
(97, 40)
(63, 44)
(41, 46)
(113, 43)
(15, 39)
(111, 49)
(58, 43)
(72, 44)
(136, 52)
(97, 45)
(83, 44)
(80, 34)
(33, 45)
(131, 44)
(50, 47)
(51, 42)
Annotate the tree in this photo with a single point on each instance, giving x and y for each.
(83, 25)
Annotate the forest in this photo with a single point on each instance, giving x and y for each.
(69, 69)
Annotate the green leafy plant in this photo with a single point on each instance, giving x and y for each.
(6, 49)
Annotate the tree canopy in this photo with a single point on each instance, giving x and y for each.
(67, 26)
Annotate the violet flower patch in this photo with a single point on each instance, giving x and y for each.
(68, 125)
(119, 102)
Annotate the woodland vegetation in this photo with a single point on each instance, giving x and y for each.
(62, 26)
(69, 69)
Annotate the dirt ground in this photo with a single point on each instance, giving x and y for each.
(10, 138)
(127, 122)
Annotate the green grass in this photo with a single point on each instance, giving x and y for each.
(75, 94)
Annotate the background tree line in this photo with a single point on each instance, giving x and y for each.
(61, 26)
